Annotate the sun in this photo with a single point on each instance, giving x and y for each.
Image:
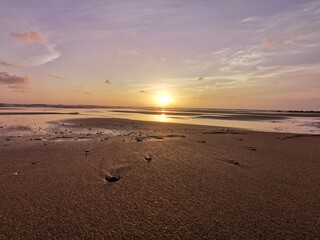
(163, 100)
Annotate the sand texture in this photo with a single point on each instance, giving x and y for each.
(123, 179)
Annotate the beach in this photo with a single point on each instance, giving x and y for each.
(105, 178)
(160, 120)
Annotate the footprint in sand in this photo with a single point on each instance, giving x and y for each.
(232, 162)
(251, 148)
(227, 131)
(112, 179)
(148, 158)
(160, 137)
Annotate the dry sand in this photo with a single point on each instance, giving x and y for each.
(143, 180)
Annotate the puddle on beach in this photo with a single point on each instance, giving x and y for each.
(50, 127)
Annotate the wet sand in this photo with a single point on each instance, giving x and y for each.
(37, 113)
(123, 179)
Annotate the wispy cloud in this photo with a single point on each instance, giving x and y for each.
(78, 89)
(81, 91)
(54, 76)
(249, 19)
(17, 88)
(44, 54)
(31, 48)
(128, 52)
(284, 43)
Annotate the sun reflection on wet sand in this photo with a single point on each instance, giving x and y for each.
(161, 118)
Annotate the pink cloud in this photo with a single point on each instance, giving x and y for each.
(31, 37)
(9, 64)
(41, 51)
(13, 80)
(269, 45)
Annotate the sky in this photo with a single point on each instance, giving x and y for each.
(207, 54)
